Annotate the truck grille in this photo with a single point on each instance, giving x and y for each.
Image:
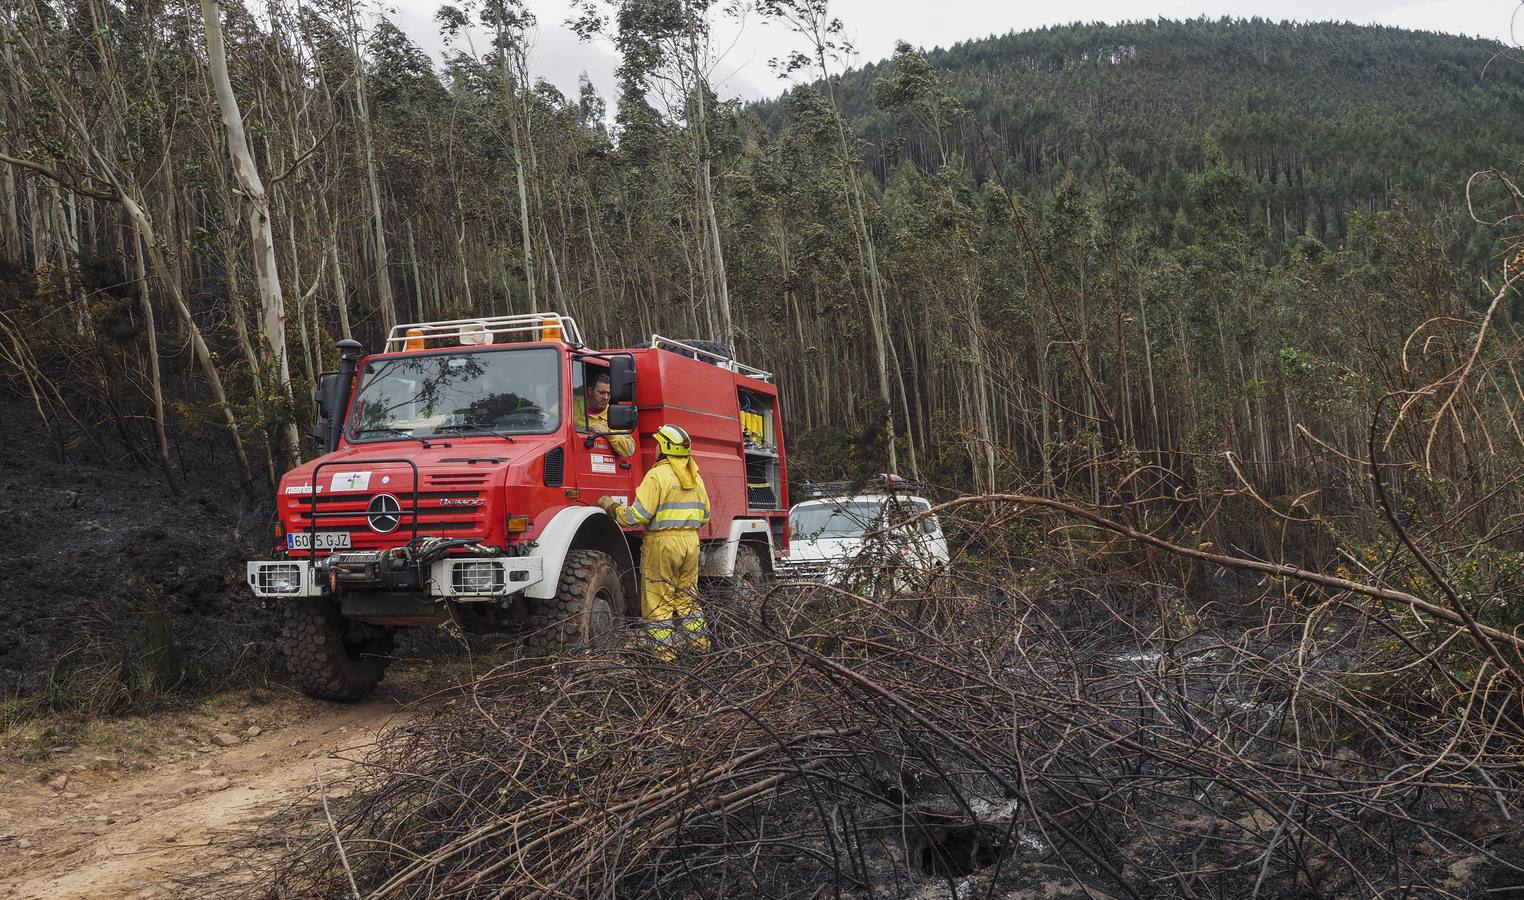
(812, 570)
(555, 467)
(455, 479)
(443, 513)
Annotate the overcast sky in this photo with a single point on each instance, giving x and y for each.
(745, 47)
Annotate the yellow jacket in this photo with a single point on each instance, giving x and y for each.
(671, 497)
(622, 443)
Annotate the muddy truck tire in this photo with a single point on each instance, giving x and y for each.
(589, 597)
(329, 658)
(750, 575)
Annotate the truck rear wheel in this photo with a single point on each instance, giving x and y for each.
(749, 574)
(588, 598)
(330, 658)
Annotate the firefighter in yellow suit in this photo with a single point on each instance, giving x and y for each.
(673, 505)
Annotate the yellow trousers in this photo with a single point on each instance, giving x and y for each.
(669, 569)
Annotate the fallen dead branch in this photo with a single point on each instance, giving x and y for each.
(1277, 570)
(836, 746)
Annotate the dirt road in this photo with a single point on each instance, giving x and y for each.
(152, 821)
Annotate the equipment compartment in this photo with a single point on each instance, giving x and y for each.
(759, 443)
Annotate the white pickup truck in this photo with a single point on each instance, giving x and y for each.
(852, 541)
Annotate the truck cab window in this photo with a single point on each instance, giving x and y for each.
(590, 384)
(579, 396)
(424, 395)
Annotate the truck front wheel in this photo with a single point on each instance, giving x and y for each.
(329, 658)
(588, 598)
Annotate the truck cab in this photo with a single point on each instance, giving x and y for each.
(461, 477)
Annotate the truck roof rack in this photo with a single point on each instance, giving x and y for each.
(659, 342)
(481, 330)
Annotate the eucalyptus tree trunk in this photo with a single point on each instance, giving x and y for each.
(518, 136)
(528, 242)
(340, 288)
(272, 304)
(10, 242)
(878, 312)
(10, 246)
(412, 252)
(35, 222)
(308, 363)
(68, 258)
(703, 175)
(1158, 439)
(155, 380)
(372, 181)
(198, 345)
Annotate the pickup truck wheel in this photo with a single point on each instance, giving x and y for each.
(588, 598)
(329, 658)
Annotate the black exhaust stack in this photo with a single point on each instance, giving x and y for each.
(350, 352)
(334, 390)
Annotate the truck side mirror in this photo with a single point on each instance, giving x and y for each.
(327, 386)
(622, 417)
(327, 383)
(621, 382)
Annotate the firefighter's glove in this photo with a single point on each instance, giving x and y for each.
(607, 504)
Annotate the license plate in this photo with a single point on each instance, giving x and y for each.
(326, 540)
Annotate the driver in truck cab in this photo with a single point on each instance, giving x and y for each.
(673, 505)
(597, 415)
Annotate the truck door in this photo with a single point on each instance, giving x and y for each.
(599, 469)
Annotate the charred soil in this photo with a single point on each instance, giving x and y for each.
(117, 588)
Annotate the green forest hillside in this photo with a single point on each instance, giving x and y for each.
(1323, 118)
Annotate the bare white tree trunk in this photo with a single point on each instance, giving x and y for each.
(412, 252)
(272, 304)
(11, 243)
(519, 134)
(68, 261)
(198, 345)
(711, 225)
(151, 333)
(340, 288)
(368, 146)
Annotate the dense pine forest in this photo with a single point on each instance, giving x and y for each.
(1174, 262)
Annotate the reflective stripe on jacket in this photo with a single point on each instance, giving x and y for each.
(663, 503)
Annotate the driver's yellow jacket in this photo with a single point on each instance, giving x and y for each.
(623, 444)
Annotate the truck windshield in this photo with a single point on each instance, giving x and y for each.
(484, 391)
(849, 518)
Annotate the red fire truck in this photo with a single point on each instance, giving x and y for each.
(460, 480)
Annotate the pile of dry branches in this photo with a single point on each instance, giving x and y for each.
(831, 745)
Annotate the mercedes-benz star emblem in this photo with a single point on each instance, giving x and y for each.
(384, 513)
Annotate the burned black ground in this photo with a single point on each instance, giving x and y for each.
(115, 586)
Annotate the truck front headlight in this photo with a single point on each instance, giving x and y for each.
(277, 578)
